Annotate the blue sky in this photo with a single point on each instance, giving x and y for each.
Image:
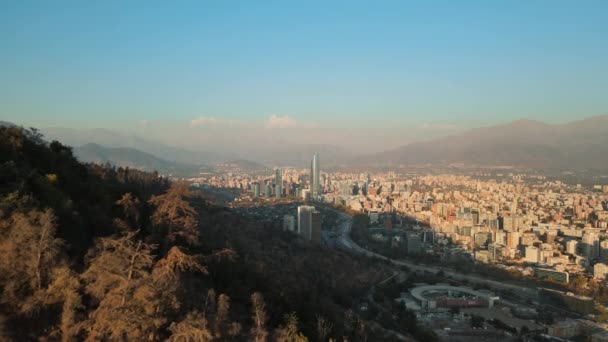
(318, 63)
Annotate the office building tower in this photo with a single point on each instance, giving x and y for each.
(256, 190)
(304, 219)
(278, 183)
(309, 223)
(315, 179)
(267, 190)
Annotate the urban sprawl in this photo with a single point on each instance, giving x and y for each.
(526, 224)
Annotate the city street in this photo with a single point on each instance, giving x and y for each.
(345, 242)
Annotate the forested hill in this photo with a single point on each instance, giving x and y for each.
(93, 253)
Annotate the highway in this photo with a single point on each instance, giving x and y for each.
(344, 240)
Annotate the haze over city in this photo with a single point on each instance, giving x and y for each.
(352, 74)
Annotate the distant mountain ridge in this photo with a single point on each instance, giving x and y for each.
(300, 155)
(111, 139)
(281, 154)
(522, 143)
(133, 158)
(244, 165)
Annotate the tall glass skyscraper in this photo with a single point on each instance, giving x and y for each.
(315, 179)
(278, 183)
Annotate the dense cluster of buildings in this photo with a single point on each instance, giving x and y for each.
(555, 228)
(545, 227)
(528, 223)
(305, 184)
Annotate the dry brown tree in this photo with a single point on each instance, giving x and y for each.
(174, 217)
(118, 279)
(131, 208)
(29, 253)
(258, 316)
(194, 328)
(289, 331)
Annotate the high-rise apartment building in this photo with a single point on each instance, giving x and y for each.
(512, 239)
(256, 190)
(532, 254)
(571, 247)
(591, 245)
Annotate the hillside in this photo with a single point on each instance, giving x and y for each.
(133, 158)
(268, 153)
(523, 143)
(84, 247)
(112, 139)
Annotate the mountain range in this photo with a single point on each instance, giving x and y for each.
(284, 154)
(524, 143)
(112, 139)
(133, 158)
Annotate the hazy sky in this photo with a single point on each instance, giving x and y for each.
(395, 69)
